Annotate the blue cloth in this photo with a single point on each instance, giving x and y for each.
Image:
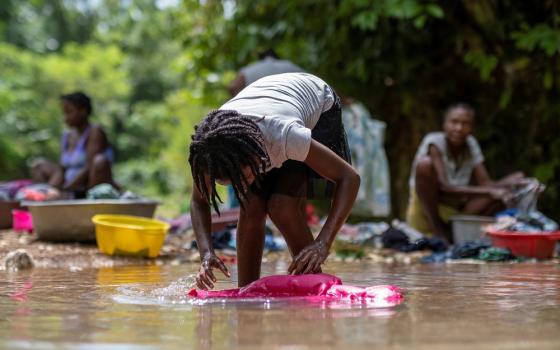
(461, 251)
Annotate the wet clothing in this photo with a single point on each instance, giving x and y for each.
(291, 109)
(294, 178)
(73, 160)
(312, 287)
(267, 66)
(286, 107)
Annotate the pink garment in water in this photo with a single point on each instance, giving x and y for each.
(321, 285)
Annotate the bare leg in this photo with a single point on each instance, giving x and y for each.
(250, 239)
(428, 193)
(286, 213)
(483, 205)
(100, 172)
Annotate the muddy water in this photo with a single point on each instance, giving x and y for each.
(457, 306)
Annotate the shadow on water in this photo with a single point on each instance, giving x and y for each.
(448, 306)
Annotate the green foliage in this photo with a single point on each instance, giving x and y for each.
(30, 90)
(483, 62)
(131, 64)
(541, 36)
(407, 60)
(153, 72)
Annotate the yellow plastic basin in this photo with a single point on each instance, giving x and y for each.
(129, 235)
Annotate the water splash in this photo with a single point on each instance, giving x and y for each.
(172, 294)
(178, 288)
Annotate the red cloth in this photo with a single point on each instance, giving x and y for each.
(322, 285)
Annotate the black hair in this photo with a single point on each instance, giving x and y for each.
(223, 143)
(267, 53)
(459, 105)
(78, 99)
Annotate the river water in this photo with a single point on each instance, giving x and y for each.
(447, 306)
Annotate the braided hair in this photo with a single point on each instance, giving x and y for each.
(223, 143)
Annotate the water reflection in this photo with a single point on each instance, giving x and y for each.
(446, 306)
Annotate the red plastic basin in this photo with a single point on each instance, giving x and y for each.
(528, 245)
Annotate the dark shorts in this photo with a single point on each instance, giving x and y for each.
(296, 179)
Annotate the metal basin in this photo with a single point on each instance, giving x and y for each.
(469, 227)
(70, 220)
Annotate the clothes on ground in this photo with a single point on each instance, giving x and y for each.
(496, 254)
(37, 193)
(108, 191)
(412, 233)
(472, 250)
(398, 240)
(460, 251)
(322, 286)
(103, 191)
(373, 233)
(74, 160)
(226, 239)
(366, 137)
(9, 189)
(220, 240)
(365, 233)
(352, 239)
(267, 66)
(468, 249)
(180, 224)
(286, 107)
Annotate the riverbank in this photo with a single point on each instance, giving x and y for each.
(177, 250)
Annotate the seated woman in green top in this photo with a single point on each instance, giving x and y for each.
(448, 176)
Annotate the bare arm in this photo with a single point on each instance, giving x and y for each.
(446, 187)
(481, 176)
(347, 182)
(202, 220)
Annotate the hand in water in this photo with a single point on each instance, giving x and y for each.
(205, 278)
(309, 260)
